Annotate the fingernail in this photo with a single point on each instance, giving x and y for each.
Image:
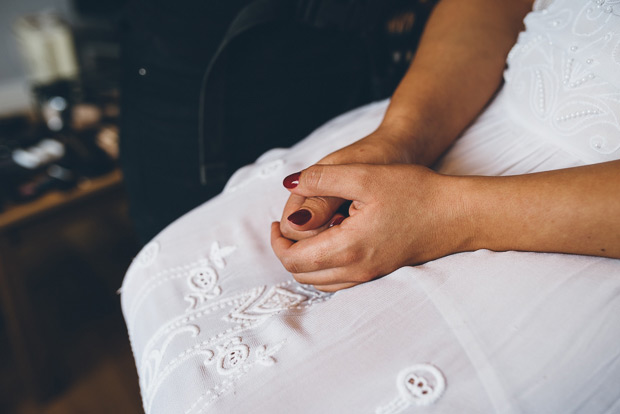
(300, 217)
(292, 180)
(336, 221)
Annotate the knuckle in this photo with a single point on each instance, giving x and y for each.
(317, 204)
(351, 256)
(312, 176)
(290, 265)
(363, 175)
(287, 232)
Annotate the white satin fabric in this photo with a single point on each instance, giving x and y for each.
(217, 324)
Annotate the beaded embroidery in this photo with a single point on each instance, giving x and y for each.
(562, 76)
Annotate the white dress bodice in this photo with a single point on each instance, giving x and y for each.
(563, 77)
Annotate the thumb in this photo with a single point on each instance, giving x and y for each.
(314, 212)
(348, 182)
(325, 188)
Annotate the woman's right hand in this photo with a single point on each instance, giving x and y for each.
(305, 217)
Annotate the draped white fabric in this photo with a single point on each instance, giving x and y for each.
(218, 325)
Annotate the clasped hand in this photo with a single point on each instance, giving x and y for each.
(399, 215)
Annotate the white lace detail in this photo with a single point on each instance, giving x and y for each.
(246, 311)
(562, 77)
(148, 254)
(203, 279)
(215, 259)
(180, 340)
(419, 385)
(217, 254)
(203, 282)
(233, 362)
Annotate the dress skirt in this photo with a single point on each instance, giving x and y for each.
(218, 325)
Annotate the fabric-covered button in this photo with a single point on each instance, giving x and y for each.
(421, 384)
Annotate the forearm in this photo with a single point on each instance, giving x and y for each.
(456, 70)
(574, 210)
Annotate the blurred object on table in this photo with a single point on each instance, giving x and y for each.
(34, 160)
(71, 133)
(46, 44)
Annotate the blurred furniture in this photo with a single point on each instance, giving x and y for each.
(32, 351)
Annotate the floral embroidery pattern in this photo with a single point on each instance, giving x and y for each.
(225, 355)
(235, 361)
(232, 356)
(203, 279)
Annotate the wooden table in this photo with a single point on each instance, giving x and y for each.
(30, 349)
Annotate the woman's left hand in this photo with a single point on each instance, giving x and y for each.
(400, 215)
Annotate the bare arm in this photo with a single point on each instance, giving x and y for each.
(573, 210)
(456, 70)
(407, 214)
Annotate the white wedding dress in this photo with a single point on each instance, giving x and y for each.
(218, 325)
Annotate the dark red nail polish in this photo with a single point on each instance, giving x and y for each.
(336, 221)
(300, 217)
(292, 181)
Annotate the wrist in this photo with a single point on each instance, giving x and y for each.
(465, 221)
(418, 138)
(403, 138)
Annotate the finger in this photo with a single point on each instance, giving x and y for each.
(326, 250)
(293, 204)
(349, 182)
(330, 276)
(336, 221)
(289, 229)
(335, 287)
(314, 212)
(279, 244)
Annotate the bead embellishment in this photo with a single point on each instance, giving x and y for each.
(568, 69)
(419, 385)
(601, 145)
(562, 78)
(577, 114)
(606, 5)
(581, 81)
(540, 91)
